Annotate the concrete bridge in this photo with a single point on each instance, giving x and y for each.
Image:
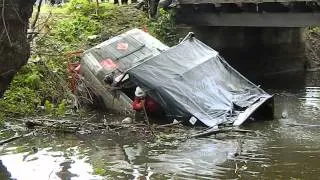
(257, 37)
(249, 13)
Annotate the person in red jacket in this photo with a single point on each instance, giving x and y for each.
(142, 104)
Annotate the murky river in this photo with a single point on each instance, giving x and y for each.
(286, 148)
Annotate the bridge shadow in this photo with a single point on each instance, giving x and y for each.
(256, 52)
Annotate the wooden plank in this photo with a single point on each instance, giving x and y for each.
(250, 19)
(186, 2)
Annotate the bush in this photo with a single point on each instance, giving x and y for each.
(90, 9)
(83, 7)
(20, 101)
(74, 30)
(164, 28)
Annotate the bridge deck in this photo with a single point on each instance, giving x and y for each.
(251, 19)
(249, 13)
(188, 2)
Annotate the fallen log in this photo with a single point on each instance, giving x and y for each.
(217, 131)
(55, 124)
(86, 121)
(12, 139)
(169, 125)
(19, 136)
(73, 126)
(306, 125)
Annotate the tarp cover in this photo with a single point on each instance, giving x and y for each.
(192, 79)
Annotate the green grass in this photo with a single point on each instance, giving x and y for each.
(43, 81)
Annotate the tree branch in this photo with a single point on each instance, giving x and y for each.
(36, 19)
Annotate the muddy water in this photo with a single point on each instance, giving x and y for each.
(288, 147)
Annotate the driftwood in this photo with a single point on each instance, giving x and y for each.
(14, 138)
(19, 136)
(305, 125)
(46, 123)
(222, 130)
(169, 125)
(73, 126)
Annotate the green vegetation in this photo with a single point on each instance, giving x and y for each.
(163, 27)
(313, 30)
(99, 171)
(312, 36)
(41, 86)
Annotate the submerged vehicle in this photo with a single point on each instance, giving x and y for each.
(190, 81)
(104, 65)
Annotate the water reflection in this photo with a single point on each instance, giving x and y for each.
(312, 96)
(281, 149)
(195, 158)
(46, 164)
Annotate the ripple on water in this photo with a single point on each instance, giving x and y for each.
(281, 151)
(195, 158)
(310, 103)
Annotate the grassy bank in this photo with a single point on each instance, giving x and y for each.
(41, 87)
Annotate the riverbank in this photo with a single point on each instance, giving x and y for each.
(312, 35)
(41, 87)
